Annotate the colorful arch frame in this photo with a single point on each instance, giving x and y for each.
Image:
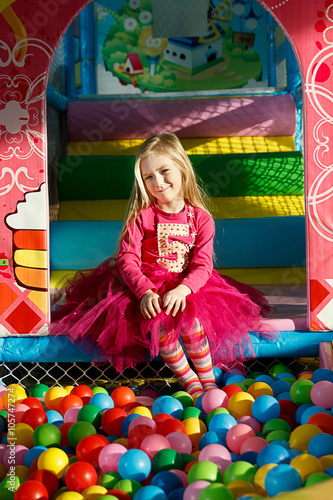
(31, 32)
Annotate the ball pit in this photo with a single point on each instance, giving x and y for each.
(241, 441)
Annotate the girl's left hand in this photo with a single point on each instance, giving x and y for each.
(175, 299)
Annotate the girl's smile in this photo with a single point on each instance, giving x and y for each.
(163, 180)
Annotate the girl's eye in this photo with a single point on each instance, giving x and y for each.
(165, 170)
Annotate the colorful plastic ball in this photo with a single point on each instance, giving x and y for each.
(54, 417)
(167, 404)
(102, 400)
(321, 374)
(280, 386)
(193, 490)
(265, 378)
(235, 378)
(312, 410)
(53, 459)
(80, 475)
(217, 454)
(237, 435)
(167, 481)
(112, 420)
(322, 394)
(141, 420)
(69, 495)
(221, 423)
(154, 443)
(204, 470)
(22, 434)
(34, 417)
(185, 399)
(322, 420)
(53, 397)
(84, 392)
(143, 411)
(320, 445)
(31, 490)
(211, 437)
(129, 486)
(134, 464)
(90, 413)
(317, 477)
(166, 460)
(194, 428)
(253, 444)
(138, 434)
(109, 457)
(273, 454)
(265, 408)
(216, 492)
(260, 476)
(218, 374)
(38, 391)
(169, 425)
(122, 396)
(215, 398)
(68, 402)
(275, 424)
(240, 404)
(281, 478)
(239, 470)
(232, 389)
(306, 464)
(150, 492)
(47, 435)
(89, 448)
(47, 478)
(78, 431)
(109, 479)
(217, 411)
(260, 389)
(300, 392)
(180, 442)
(302, 435)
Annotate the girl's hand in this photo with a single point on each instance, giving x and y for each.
(150, 304)
(175, 299)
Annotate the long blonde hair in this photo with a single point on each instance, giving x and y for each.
(166, 144)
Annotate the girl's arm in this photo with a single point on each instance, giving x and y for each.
(129, 260)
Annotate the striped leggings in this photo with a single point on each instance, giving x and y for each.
(197, 348)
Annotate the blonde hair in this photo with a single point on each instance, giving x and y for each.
(166, 144)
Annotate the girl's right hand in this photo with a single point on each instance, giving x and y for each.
(150, 304)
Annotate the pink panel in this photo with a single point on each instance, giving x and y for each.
(312, 36)
(200, 117)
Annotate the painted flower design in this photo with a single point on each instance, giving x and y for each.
(134, 4)
(145, 17)
(130, 24)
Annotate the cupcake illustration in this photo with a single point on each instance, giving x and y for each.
(28, 225)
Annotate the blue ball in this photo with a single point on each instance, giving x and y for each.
(33, 453)
(235, 379)
(227, 375)
(211, 437)
(265, 378)
(218, 374)
(177, 494)
(321, 444)
(102, 400)
(312, 411)
(300, 410)
(280, 386)
(150, 492)
(167, 481)
(284, 395)
(54, 417)
(281, 478)
(167, 404)
(221, 423)
(134, 464)
(273, 454)
(265, 408)
(321, 374)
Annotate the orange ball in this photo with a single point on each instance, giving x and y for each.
(123, 396)
(68, 402)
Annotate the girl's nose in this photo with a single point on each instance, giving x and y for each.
(159, 181)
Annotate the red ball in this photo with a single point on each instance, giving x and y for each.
(160, 417)
(322, 420)
(123, 396)
(287, 407)
(137, 435)
(80, 475)
(232, 389)
(33, 403)
(112, 420)
(31, 490)
(47, 478)
(84, 392)
(89, 448)
(170, 425)
(64, 428)
(34, 417)
(68, 402)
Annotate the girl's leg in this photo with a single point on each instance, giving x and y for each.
(197, 347)
(173, 354)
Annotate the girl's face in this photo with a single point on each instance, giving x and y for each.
(163, 180)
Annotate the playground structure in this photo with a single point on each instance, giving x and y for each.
(218, 135)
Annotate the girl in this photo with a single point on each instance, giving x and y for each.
(161, 290)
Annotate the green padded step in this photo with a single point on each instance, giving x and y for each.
(109, 177)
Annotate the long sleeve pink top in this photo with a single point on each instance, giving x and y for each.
(181, 243)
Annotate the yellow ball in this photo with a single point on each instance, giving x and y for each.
(326, 461)
(69, 388)
(260, 389)
(53, 459)
(306, 464)
(240, 487)
(70, 495)
(300, 437)
(94, 492)
(20, 434)
(240, 404)
(195, 428)
(260, 476)
(54, 396)
(15, 386)
(141, 410)
(12, 397)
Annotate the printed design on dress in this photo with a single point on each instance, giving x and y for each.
(165, 247)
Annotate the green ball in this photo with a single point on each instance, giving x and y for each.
(191, 412)
(78, 431)
(275, 370)
(247, 383)
(109, 479)
(214, 412)
(47, 435)
(240, 470)
(216, 491)
(274, 435)
(8, 486)
(166, 460)
(38, 391)
(130, 486)
(317, 477)
(185, 399)
(107, 497)
(205, 471)
(300, 392)
(276, 424)
(92, 414)
(98, 389)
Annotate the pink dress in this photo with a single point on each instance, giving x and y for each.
(159, 252)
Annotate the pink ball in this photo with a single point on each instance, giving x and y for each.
(109, 456)
(180, 442)
(251, 421)
(216, 453)
(142, 421)
(322, 394)
(193, 490)
(71, 414)
(255, 443)
(215, 398)
(237, 435)
(14, 455)
(154, 443)
(181, 474)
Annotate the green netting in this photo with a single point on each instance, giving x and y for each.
(109, 177)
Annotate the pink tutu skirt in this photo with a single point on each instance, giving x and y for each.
(101, 311)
